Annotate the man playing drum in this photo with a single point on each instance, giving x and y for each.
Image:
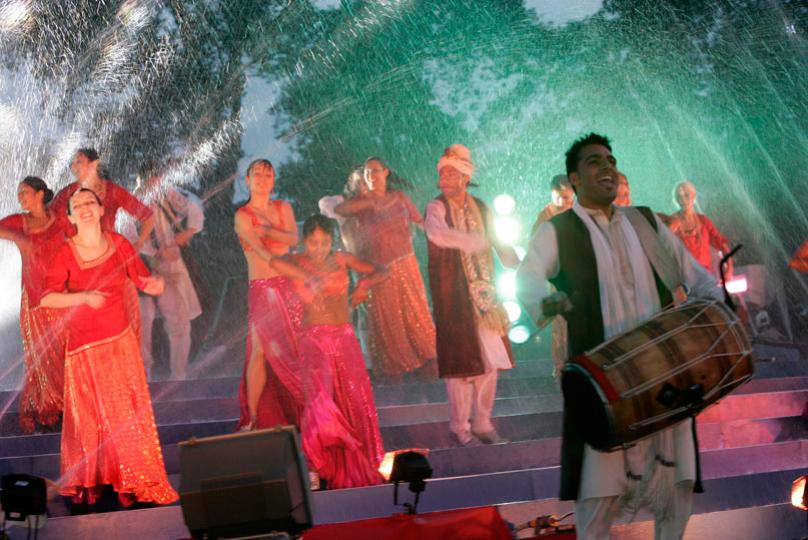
(595, 258)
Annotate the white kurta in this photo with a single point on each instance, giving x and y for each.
(628, 297)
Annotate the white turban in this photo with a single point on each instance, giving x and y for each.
(459, 157)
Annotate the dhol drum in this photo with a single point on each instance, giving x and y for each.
(646, 379)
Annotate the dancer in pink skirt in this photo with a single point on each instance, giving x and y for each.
(339, 426)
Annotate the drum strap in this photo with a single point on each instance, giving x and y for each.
(661, 259)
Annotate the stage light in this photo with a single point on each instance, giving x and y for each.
(737, 285)
(24, 498)
(506, 284)
(519, 334)
(514, 310)
(386, 467)
(520, 252)
(504, 204)
(799, 492)
(507, 229)
(411, 467)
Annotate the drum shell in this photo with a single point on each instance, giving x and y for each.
(621, 391)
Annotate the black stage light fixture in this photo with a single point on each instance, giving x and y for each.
(414, 468)
(245, 484)
(23, 496)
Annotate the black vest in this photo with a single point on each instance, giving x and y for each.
(578, 278)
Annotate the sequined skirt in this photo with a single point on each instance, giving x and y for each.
(109, 436)
(274, 314)
(340, 426)
(401, 334)
(43, 344)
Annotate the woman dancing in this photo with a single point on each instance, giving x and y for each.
(109, 436)
(271, 391)
(401, 334)
(86, 167)
(339, 427)
(696, 231)
(37, 235)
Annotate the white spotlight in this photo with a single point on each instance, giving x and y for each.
(737, 285)
(519, 334)
(507, 229)
(504, 204)
(506, 284)
(514, 310)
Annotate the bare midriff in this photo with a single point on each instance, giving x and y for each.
(258, 268)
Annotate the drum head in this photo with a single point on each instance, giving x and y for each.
(586, 409)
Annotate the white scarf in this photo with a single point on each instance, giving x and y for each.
(621, 312)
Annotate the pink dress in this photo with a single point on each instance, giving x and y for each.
(41, 329)
(275, 312)
(109, 436)
(340, 426)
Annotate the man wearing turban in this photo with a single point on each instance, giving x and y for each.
(461, 244)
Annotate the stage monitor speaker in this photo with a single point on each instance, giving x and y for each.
(245, 484)
(23, 495)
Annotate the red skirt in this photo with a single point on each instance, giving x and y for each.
(109, 436)
(43, 341)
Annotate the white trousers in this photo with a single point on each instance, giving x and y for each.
(477, 393)
(594, 516)
(177, 324)
(471, 394)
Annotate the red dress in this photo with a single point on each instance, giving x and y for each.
(109, 434)
(699, 241)
(113, 198)
(42, 339)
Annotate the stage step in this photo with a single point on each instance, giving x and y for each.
(727, 448)
(521, 496)
(759, 430)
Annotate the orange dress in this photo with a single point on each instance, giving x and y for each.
(799, 261)
(42, 335)
(401, 334)
(109, 436)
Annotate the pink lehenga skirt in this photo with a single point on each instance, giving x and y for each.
(340, 426)
(109, 436)
(275, 313)
(401, 334)
(43, 341)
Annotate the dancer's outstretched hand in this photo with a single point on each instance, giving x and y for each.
(153, 285)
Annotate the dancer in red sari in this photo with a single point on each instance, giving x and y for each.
(109, 436)
(339, 427)
(37, 235)
(271, 391)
